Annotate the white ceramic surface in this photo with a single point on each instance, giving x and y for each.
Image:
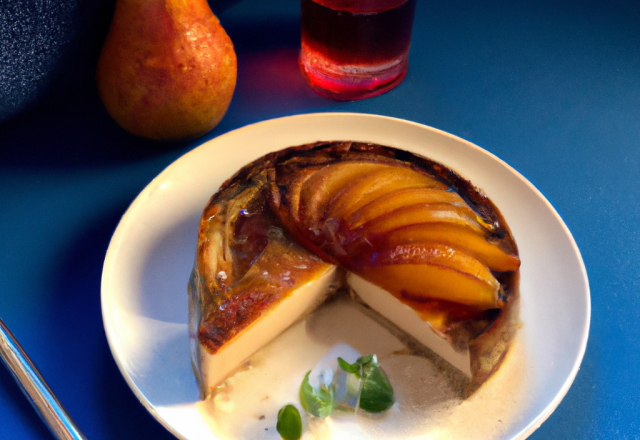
(150, 256)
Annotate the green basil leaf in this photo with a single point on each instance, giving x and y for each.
(365, 360)
(349, 368)
(376, 393)
(318, 403)
(358, 367)
(289, 424)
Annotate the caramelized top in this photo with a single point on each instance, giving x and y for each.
(245, 263)
(290, 168)
(401, 221)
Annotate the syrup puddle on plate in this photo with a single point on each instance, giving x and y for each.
(429, 401)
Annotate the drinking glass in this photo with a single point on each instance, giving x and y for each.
(355, 49)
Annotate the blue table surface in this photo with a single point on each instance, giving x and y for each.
(552, 88)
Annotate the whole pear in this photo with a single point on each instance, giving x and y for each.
(167, 70)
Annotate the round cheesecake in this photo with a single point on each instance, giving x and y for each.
(407, 237)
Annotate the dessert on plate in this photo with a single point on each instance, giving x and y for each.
(405, 236)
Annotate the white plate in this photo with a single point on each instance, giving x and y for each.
(144, 299)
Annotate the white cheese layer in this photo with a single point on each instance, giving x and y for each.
(215, 368)
(408, 320)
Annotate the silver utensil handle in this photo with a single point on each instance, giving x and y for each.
(34, 387)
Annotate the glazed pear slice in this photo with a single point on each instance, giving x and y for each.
(422, 214)
(361, 192)
(295, 189)
(399, 198)
(322, 185)
(435, 272)
(457, 236)
(222, 215)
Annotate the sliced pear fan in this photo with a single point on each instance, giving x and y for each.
(355, 207)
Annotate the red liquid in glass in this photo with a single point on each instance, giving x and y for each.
(355, 49)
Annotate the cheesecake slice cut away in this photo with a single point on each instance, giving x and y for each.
(250, 282)
(409, 238)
